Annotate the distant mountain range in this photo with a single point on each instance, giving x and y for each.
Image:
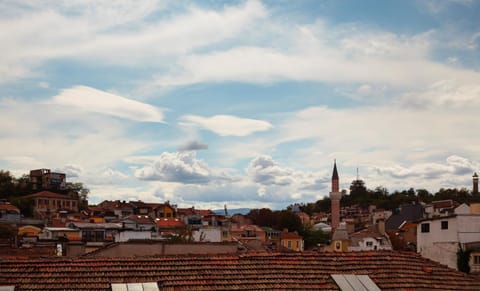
(232, 211)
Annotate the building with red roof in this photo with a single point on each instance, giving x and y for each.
(47, 203)
(292, 241)
(9, 212)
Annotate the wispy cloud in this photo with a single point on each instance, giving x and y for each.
(119, 33)
(93, 100)
(376, 58)
(227, 125)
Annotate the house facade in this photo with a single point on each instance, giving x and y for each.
(292, 241)
(46, 179)
(368, 240)
(47, 203)
(439, 238)
(96, 232)
(139, 222)
(58, 233)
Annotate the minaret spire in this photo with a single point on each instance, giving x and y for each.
(335, 197)
(335, 179)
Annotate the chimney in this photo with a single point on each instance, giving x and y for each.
(381, 226)
(475, 183)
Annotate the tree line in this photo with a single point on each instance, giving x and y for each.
(381, 198)
(287, 220)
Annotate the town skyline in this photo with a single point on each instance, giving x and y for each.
(244, 103)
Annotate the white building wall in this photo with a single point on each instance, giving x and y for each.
(208, 235)
(369, 244)
(441, 245)
(469, 228)
(128, 235)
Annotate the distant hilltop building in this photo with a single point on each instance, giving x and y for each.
(47, 180)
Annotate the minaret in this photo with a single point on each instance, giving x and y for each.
(475, 183)
(335, 197)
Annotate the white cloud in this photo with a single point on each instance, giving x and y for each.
(71, 171)
(65, 136)
(439, 6)
(455, 169)
(93, 100)
(180, 167)
(118, 33)
(227, 125)
(264, 170)
(445, 93)
(409, 67)
(272, 178)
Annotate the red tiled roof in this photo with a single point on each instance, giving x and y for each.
(48, 194)
(290, 235)
(170, 222)
(108, 204)
(443, 204)
(203, 212)
(253, 271)
(9, 207)
(185, 211)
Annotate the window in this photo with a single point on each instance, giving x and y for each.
(338, 246)
(476, 260)
(369, 243)
(445, 224)
(425, 227)
(289, 244)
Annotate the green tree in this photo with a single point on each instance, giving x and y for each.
(24, 205)
(262, 217)
(360, 195)
(323, 205)
(312, 237)
(463, 259)
(424, 196)
(80, 192)
(288, 220)
(7, 185)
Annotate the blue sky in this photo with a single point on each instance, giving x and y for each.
(244, 103)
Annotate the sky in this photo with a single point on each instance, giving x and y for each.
(243, 103)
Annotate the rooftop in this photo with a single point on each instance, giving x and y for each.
(307, 271)
(48, 194)
(9, 207)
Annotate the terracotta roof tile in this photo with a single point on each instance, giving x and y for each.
(48, 194)
(169, 222)
(9, 207)
(290, 271)
(290, 235)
